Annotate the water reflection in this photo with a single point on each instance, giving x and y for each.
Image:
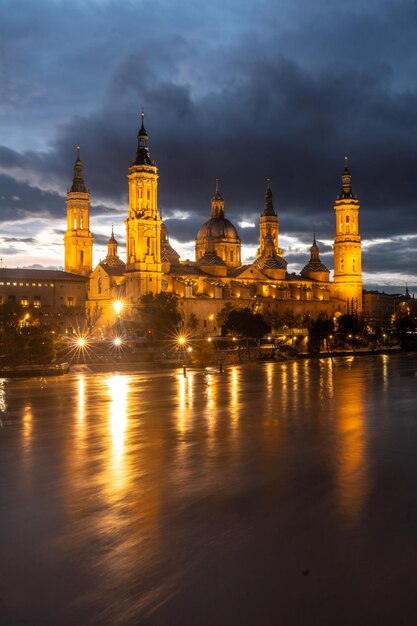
(352, 471)
(2, 396)
(234, 391)
(118, 389)
(27, 420)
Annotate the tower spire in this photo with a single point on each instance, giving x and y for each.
(269, 205)
(143, 156)
(78, 183)
(346, 191)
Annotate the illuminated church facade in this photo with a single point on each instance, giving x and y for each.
(217, 276)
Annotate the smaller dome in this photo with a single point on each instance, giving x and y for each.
(314, 266)
(270, 263)
(210, 258)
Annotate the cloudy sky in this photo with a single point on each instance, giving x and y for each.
(239, 89)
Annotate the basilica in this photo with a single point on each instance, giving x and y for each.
(217, 276)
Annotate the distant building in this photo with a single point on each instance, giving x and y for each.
(378, 306)
(44, 290)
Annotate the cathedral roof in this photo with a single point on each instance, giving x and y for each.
(169, 254)
(113, 266)
(270, 263)
(210, 258)
(167, 251)
(315, 266)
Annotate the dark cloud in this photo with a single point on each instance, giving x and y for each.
(279, 91)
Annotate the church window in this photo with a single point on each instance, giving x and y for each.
(149, 194)
(99, 285)
(81, 220)
(70, 301)
(24, 302)
(231, 256)
(37, 302)
(342, 265)
(353, 265)
(347, 219)
(82, 257)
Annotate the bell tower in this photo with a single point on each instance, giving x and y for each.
(78, 239)
(143, 224)
(347, 247)
(268, 223)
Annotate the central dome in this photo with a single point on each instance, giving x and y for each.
(218, 228)
(218, 235)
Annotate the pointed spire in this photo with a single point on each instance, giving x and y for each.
(112, 237)
(78, 184)
(142, 154)
(346, 181)
(314, 250)
(269, 205)
(217, 203)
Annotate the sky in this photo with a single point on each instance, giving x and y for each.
(242, 90)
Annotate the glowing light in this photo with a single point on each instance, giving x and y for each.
(181, 340)
(81, 342)
(118, 306)
(117, 342)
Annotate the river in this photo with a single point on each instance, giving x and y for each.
(276, 493)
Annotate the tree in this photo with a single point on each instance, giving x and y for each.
(159, 314)
(349, 327)
(318, 330)
(245, 325)
(406, 329)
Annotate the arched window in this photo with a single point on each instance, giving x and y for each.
(99, 285)
(342, 265)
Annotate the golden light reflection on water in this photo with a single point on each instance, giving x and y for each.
(234, 388)
(211, 406)
(2, 396)
(27, 420)
(185, 401)
(118, 388)
(81, 398)
(385, 361)
(352, 471)
(325, 380)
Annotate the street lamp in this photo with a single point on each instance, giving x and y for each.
(118, 306)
